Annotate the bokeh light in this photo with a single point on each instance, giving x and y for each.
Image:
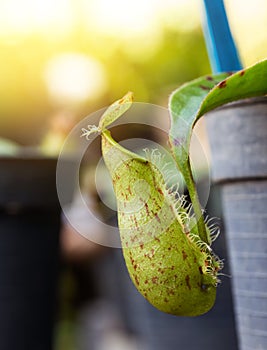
(73, 77)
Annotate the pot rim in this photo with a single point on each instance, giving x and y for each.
(243, 103)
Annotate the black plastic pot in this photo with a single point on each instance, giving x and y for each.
(29, 252)
(238, 142)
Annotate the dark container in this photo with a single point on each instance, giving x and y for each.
(29, 252)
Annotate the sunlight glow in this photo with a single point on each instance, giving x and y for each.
(73, 77)
(22, 17)
(132, 18)
(121, 17)
(180, 14)
(135, 24)
(248, 21)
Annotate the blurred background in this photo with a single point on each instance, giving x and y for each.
(62, 60)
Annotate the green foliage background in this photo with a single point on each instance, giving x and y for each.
(25, 106)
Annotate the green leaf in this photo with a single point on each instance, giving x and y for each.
(116, 110)
(189, 102)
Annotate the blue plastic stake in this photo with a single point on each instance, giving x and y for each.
(219, 41)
